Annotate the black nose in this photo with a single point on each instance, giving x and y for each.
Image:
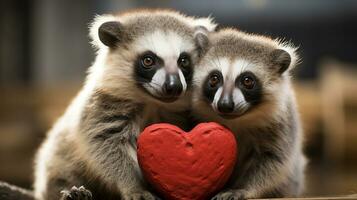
(225, 104)
(172, 86)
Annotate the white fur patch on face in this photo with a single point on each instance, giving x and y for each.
(237, 67)
(238, 97)
(156, 83)
(230, 70)
(159, 78)
(216, 99)
(240, 104)
(166, 45)
(204, 69)
(183, 81)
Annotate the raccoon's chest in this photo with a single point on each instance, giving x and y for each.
(180, 118)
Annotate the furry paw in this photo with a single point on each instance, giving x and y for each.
(76, 194)
(231, 195)
(142, 195)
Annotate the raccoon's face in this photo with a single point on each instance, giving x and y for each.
(164, 64)
(237, 76)
(233, 88)
(154, 53)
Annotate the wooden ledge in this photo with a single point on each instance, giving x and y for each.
(348, 197)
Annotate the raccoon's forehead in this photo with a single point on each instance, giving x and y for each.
(232, 55)
(254, 49)
(140, 24)
(165, 44)
(230, 68)
(231, 43)
(163, 35)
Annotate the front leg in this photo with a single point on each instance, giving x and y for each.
(231, 194)
(265, 173)
(109, 128)
(115, 162)
(75, 193)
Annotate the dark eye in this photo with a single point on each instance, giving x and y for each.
(214, 80)
(248, 82)
(147, 61)
(184, 61)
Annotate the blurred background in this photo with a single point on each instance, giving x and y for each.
(45, 52)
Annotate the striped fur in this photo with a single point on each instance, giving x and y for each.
(269, 134)
(94, 143)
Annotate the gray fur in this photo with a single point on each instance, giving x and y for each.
(270, 160)
(263, 153)
(141, 22)
(94, 143)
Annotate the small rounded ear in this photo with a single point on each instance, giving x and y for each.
(201, 39)
(110, 33)
(281, 59)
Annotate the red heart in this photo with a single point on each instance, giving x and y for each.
(187, 166)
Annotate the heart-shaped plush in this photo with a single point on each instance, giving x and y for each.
(187, 166)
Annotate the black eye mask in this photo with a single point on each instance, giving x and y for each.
(143, 74)
(187, 70)
(253, 95)
(209, 91)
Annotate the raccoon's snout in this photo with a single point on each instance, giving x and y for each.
(225, 104)
(172, 86)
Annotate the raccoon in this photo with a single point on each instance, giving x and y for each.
(243, 82)
(142, 74)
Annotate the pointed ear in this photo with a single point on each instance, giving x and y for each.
(201, 39)
(281, 60)
(111, 33)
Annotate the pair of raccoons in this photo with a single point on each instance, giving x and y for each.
(162, 66)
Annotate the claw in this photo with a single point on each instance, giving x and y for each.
(75, 193)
